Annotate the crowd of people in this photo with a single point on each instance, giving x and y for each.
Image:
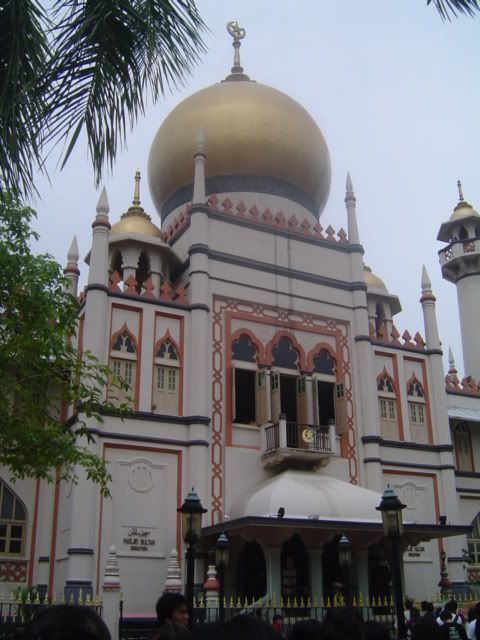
(69, 622)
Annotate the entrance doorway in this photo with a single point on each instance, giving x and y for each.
(379, 579)
(295, 570)
(252, 572)
(332, 573)
(326, 402)
(288, 397)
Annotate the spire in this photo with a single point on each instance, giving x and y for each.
(350, 201)
(452, 369)
(102, 205)
(462, 203)
(199, 192)
(460, 191)
(71, 271)
(237, 33)
(136, 209)
(73, 255)
(426, 283)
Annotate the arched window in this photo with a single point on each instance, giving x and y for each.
(387, 404)
(13, 523)
(463, 233)
(284, 355)
(324, 363)
(379, 318)
(123, 362)
(463, 446)
(417, 410)
(243, 349)
(166, 392)
(117, 264)
(142, 272)
(328, 396)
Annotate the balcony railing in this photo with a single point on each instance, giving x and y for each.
(297, 442)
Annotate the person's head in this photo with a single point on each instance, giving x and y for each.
(375, 631)
(342, 623)
(452, 605)
(277, 618)
(408, 603)
(446, 615)
(172, 608)
(66, 622)
(426, 607)
(241, 627)
(306, 630)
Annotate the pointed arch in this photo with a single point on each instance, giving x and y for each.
(260, 349)
(143, 270)
(316, 351)
(462, 233)
(118, 335)
(286, 335)
(117, 263)
(415, 387)
(13, 522)
(385, 382)
(165, 340)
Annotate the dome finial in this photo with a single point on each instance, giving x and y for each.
(136, 190)
(237, 33)
(460, 191)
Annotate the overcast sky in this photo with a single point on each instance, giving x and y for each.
(396, 93)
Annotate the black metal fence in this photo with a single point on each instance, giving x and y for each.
(15, 616)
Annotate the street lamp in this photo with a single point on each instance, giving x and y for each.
(222, 551)
(345, 561)
(192, 511)
(391, 509)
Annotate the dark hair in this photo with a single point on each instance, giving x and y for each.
(426, 606)
(373, 630)
(408, 603)
(452, 605)
(167, 604)
(445, 614)
(277, 617)
(306, 630)
(342, 623)
(66, 622)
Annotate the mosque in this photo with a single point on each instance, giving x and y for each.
(266, 371)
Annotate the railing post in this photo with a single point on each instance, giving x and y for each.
(282, 430)
(111, 595)
(263, 438)
(332, 434)
(212, 588)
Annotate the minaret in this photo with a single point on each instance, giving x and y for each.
(460, 262)
(71, 271)
(429, 315)
(364, 362)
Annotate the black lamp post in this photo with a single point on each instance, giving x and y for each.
(345, 561)
(222, 551)
(192, 511)
(391, 510)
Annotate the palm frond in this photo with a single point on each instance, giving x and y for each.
(448, 8)
(108, 56)
(24, 53)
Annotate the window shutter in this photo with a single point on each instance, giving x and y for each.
(302, 400)
(275, 394)
(261, 397)
(316, 412)
(340, 408)
(234, 394)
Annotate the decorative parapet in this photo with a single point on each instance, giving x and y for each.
(167, 293)
(267, 218)
(13, 571)
(111, 576)
(173, 583)
(468, 385)
(381, 335)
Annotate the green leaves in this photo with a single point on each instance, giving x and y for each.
(446, 8)
(43, 379)
(86, 66)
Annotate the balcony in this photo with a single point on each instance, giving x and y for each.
(294, 444)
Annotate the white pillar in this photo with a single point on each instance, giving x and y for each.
(71, 271)
(468, 294)
(111, 595)
(173, 582)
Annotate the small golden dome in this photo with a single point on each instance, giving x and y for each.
(250, 131)
(463, 209)
(135, 220)
(371, 280)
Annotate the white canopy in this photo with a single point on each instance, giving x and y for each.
(464, 414)
(309, 495)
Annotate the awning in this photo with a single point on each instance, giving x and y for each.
(473, 415)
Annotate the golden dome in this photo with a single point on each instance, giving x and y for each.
(463, 209)
(135, 220)
(250, 131)
(371, 280)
